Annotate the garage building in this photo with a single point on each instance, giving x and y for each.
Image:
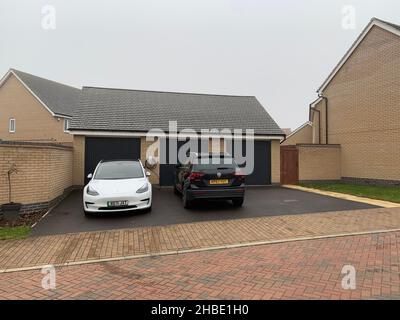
(113, 123)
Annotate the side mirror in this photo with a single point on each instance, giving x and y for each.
(90, 176)
(148, 174)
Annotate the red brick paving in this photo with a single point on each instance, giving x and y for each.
(297, 270)
(61, 249)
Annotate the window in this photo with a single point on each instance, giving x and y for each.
(11, 125)
(66, 125)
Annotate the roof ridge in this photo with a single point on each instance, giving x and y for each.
(32, 75)
(172, 92)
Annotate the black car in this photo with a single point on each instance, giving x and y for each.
(210, 176)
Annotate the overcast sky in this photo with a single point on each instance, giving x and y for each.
(279, 51)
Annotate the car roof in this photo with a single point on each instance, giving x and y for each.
(119, 160)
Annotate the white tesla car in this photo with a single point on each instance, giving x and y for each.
(116, 186)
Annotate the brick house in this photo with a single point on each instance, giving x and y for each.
(358, 112)
(35, 109)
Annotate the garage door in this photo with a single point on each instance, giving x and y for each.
(97, 149)
(167, 171)
(262, 165)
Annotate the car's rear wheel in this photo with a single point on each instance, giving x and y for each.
(238, 202)
(185, 201)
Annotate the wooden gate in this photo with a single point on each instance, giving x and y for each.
(289, 165)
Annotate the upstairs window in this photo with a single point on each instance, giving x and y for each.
(66, 125)
(11, 125)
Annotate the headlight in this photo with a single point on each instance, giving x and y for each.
(143, 188)
(91, 191)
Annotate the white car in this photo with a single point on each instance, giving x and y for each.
(116, 186)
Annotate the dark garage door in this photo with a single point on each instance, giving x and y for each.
(167, 171)
(97, 149)
(262, 165)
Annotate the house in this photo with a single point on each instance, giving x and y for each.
(35, 109)
(357, 112)
(113, 123)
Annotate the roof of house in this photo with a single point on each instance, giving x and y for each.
(391, 27)
(59, 98)
(105, 109)
(308, 123)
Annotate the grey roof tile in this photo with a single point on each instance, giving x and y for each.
(59, 98)
(138, 110)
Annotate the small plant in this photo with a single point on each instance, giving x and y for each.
(10, 210)
(13, 169)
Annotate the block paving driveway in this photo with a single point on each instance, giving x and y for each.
(308, 269)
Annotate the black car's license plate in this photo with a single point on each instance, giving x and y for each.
(121, 203)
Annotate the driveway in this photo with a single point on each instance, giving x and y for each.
(68, 216)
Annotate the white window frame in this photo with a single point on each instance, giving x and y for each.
(66, 125)
(10, 128)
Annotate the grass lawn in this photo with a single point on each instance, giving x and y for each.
(389, 193)
(8, 233)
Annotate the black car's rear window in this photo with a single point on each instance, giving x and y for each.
(209, 163)
(119, 170)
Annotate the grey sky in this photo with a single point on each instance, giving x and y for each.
(279, 51)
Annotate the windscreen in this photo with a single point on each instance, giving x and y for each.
(119, 170)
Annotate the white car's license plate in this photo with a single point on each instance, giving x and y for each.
(122, 203)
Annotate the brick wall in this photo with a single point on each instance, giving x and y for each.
(44, 172)
(364, 109)
(275, 162)
(303, 135)
(319, 162)
(78, 171)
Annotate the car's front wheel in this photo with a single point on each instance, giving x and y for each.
(238, 202)
(87, 213)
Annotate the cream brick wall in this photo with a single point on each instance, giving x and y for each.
(44, 172)
(364, 108)
(79, 160)
(33, 121)
(275, 162)
(319, 162)
(304, 135)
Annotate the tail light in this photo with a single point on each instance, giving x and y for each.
(239, 175)
(195, 176)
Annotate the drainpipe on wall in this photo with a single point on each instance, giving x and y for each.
(326, 116)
